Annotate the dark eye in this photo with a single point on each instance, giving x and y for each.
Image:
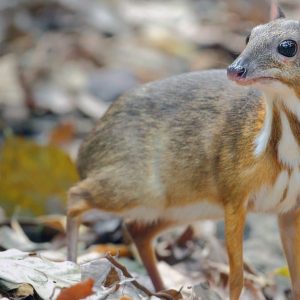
(247, 39)
(288, 48)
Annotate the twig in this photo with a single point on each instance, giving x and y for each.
(125, 272)
(223, 268)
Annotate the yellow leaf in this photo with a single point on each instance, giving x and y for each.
(284, 272)
(33, 176)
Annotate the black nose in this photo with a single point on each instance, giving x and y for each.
(235, 71)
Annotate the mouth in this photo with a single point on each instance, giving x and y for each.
(251, 81)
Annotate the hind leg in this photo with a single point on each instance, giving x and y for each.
(77, 204)
(143, 236)
(72, 237)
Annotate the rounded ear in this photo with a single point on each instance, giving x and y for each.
(276, 12)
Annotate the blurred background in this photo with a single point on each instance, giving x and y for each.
(63, 62)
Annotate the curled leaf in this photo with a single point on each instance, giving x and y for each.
(78, 291)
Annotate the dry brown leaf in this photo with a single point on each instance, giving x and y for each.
(78, 291)
(111, 278)
(54, 221)
(24, 290)
(62, 133)
(169, 294)
(125, 298)
(186, 237)
(114, 250)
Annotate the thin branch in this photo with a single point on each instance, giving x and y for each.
(123, 269)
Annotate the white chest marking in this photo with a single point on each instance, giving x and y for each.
(288, 148)
(262, 140)
(278, 93)
(281, 197)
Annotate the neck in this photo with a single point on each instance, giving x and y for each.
(281, 129)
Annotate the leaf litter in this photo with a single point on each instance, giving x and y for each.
(46, 277)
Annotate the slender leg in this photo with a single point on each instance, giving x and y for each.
(234, 231)
(72, 237)
(289, 226)
(76, 206)
(143, 236)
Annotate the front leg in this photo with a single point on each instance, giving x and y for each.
(289, 226)
(235, 216)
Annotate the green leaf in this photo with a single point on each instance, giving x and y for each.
(283, 271)
(33, 176)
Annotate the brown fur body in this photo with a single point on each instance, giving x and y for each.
(157, 146)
